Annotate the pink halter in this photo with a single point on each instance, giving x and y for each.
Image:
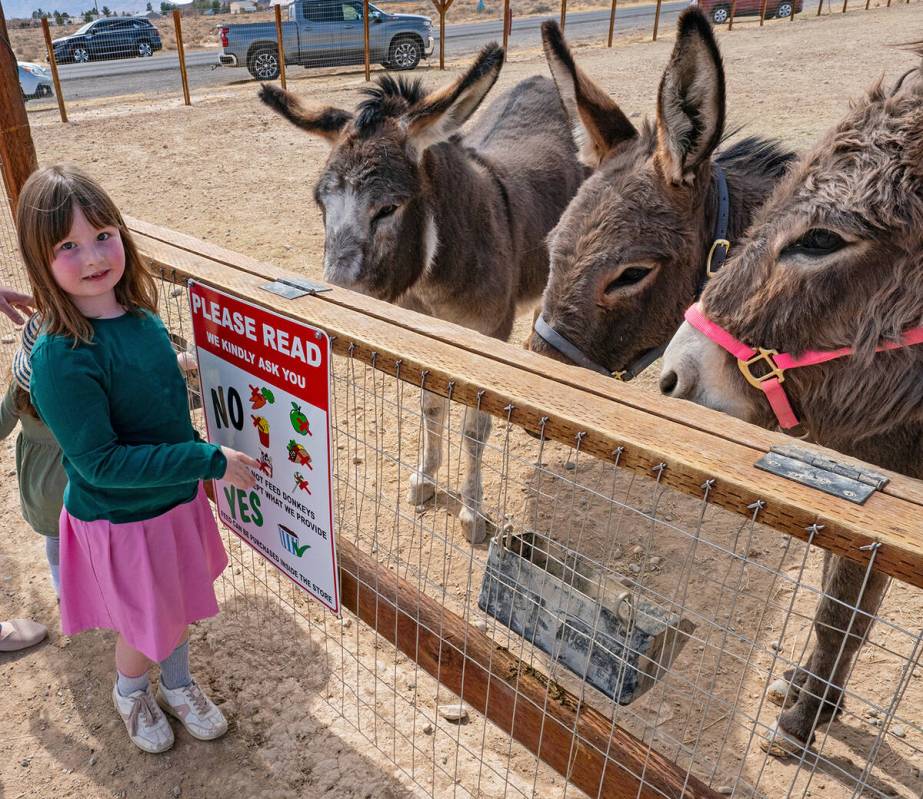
(770, 383)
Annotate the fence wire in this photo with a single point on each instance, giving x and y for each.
(695, 613)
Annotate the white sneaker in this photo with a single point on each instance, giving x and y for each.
(195, 711)
(147, 726)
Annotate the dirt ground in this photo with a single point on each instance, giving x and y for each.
(229, 172)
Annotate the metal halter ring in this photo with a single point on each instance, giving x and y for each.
(762, 356)
(711, 254)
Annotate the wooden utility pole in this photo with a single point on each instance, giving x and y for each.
(17, 152)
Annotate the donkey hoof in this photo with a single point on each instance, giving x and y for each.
(782, 693)
(781, 744)
(473, 525)
(422, 489)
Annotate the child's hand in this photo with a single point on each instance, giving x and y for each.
(239, 465)
(187, 362)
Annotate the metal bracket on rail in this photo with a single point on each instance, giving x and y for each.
(812, 469)
(294, 287)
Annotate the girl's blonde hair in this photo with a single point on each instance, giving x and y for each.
(44, 217)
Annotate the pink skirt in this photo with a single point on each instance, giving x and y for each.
(147, 580)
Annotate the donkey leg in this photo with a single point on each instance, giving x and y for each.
(476, 430)
(820, 697)
(423, 481)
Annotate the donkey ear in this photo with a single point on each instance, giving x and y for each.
(440, 114)
(325, 122)
(600, 127)
(690, 104)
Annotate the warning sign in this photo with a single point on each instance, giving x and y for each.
(266, 392)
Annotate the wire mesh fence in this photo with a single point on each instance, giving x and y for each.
(606, 598)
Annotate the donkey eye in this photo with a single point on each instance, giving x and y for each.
(629, 277)
(384, 213)
(816, 243)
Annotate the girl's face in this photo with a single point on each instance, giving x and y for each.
(88, 264)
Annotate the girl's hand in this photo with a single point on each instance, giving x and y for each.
(187, 362)
(239, 465)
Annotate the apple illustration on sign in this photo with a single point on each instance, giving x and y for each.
(299, 420)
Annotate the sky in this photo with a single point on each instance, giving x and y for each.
(24, 8)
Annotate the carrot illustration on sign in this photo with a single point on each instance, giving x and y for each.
(301, 483)
(299, 420)
(298, 454)
(260, 397)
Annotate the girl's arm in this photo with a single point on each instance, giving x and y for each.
(8, 415)
(68, 393)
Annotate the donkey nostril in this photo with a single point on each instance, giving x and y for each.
(668, 381)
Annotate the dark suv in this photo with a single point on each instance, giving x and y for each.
(115, 37)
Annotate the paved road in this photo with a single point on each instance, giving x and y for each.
(161, 72)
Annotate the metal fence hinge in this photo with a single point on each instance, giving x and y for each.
(294, 287)
(810, 468)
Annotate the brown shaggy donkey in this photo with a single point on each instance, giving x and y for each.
(453, 226)
(834, 259)
(630, 251)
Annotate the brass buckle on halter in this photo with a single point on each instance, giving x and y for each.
(715, 245)
(765, 357)
(619, 375)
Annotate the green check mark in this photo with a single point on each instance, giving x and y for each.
(299, 551)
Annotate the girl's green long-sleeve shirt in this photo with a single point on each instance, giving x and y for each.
(118, 408)
(38, 467)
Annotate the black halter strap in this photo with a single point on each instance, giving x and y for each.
(717, 255)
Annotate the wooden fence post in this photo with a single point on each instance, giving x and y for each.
(365, 40)
(53, 63)
(563, 13)
(507, 24)
(732, 12)
(820, 6)
(762, 13)
(182, 55)
(612, 20)
(442, 10)
(281, 53)
(791, 17)
(656, 20)
(17, 152)
(844, 5)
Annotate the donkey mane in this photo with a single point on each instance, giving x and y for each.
(753, 155)
(387, 100)
(756, 155)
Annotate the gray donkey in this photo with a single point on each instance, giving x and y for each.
(452, 226)
(634, 247)
(834, 259)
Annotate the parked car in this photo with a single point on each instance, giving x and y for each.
(34, 80)
(719, 11)
(115, 37)
(323, 33)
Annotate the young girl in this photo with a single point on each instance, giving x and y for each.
(139, 545)
(38, 457)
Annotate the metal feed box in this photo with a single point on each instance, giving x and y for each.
(558, 601)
